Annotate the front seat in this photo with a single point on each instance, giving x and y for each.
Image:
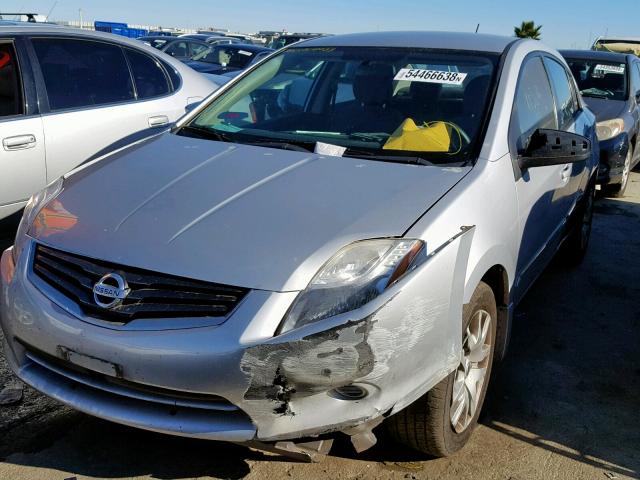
(475, 95)
(180, 50)
(425, 101)
(371, 111)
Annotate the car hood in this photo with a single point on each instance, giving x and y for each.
(241, 215)
(606, 109)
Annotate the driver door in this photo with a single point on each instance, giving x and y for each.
(541, 209)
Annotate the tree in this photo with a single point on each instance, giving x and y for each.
(528, 30)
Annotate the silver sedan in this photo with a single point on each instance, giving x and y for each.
(335, 238)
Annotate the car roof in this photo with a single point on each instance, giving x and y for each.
(169, 39)
(595, 55)
(158, 37)
(57, 30)
(203, 35)
(619, 39)
(19, 23)
(246, 46)
(418, 39)
(32, 27)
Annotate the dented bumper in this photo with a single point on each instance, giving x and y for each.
(236, 381)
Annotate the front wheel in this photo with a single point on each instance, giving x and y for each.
(576, 245)
(618, 190)
(441, 422)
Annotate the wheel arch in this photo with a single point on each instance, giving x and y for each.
(498, 271)
(498, 280)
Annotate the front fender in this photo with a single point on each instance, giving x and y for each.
(497, 255)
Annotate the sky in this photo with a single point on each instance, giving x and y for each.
(565, 23)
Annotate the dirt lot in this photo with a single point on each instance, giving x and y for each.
(564, 405)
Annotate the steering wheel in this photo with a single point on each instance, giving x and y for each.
(463, 135)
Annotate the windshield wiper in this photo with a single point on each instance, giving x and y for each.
(284, 145)
(207, 133)
(411, 160)
(370, 137)
(594, 95)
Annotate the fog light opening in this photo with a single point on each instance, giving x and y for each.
(349, 392)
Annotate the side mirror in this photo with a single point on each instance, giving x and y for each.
(638, 97)
(554, 147)
(191, 106)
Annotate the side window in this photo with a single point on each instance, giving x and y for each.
(178, 49)
(565, 101)
(635, 79)
(197, 48)
(533, 106)
(149, 76)
(10, 86)
(176, 80)
(344, 89)
(80, 73)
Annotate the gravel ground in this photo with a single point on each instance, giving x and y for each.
(563, 405)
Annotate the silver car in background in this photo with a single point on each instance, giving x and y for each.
(67, 94)
(338, 237)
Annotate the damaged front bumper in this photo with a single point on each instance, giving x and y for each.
(236, 381)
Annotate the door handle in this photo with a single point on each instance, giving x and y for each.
(158, 121)
(566, 172)
(19, 142)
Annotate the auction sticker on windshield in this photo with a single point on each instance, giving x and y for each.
(430, 76)
(610, 68)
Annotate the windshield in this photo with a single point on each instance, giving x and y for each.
(600, 79)
(225, 56)
(155, 43)
(381, 102)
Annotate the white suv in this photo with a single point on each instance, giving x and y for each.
(66, 95)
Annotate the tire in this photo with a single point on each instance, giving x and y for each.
(617, 190)
(426, 424)
(576, 245)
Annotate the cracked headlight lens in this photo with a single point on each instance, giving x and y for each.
(609, 128)
(353, 277)
(31, 210)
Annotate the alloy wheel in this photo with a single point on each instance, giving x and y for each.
(587, 219)
(626, 170)
(470, 378)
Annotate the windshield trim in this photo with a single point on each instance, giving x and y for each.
(473, 153)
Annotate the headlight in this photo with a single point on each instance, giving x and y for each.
(609, 128)
(31, 210)
(353, 277)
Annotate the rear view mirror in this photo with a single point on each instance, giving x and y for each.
(554, 147)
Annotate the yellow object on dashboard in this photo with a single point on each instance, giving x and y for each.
(434, 137)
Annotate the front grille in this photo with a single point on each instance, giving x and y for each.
(152, 295)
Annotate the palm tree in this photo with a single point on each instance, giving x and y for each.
(528, 30)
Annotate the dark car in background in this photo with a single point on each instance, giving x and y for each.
(286, 40)
(180, 48)
(212, 38)
(222, 59)
(610, 85)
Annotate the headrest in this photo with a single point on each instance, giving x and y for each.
(424, 92)
(475, 92)
(373, 83)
